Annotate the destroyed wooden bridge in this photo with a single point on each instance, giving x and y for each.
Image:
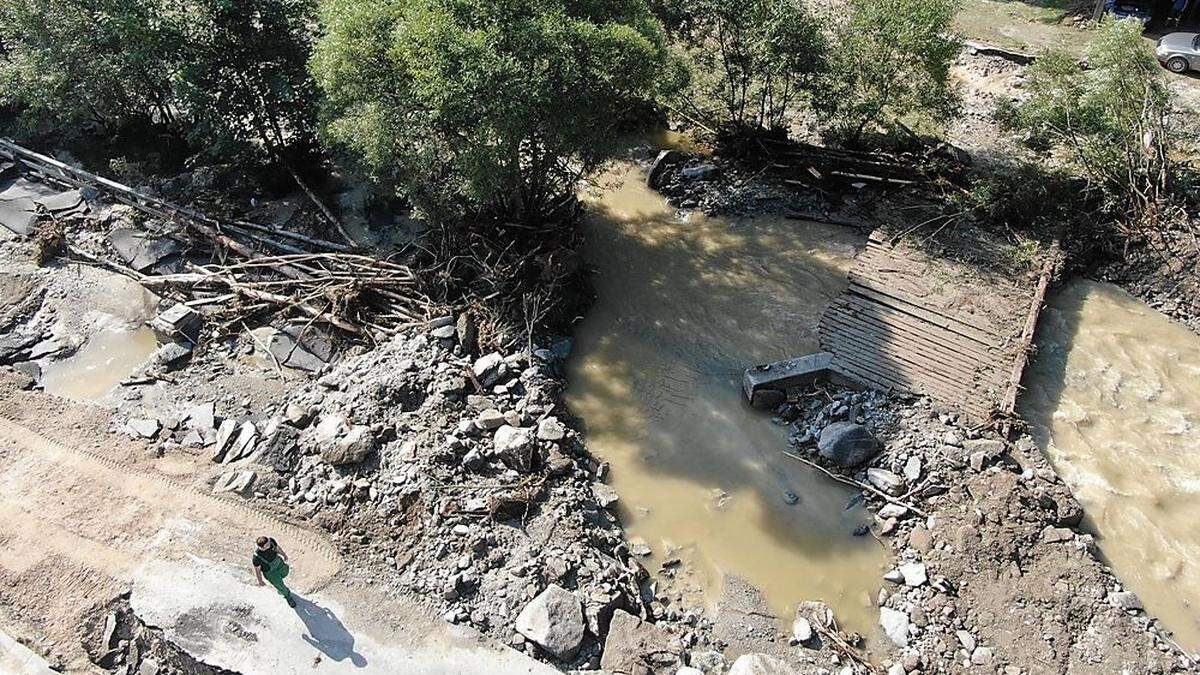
(914, 319)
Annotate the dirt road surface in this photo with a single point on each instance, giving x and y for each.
(86, 514)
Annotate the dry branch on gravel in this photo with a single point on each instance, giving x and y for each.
(324, 281)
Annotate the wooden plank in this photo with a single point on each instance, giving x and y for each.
(1008, 404)
(913, 353)
(938, 354)
(855, 350)
(871, 377)
(965, 323)
(947, 342)
(882, 296)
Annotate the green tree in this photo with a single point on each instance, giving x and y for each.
(104, 62)
(244, 79)
(228, 74)
(498, 105)
(751, 61)
(891, 62)
(1109, 119)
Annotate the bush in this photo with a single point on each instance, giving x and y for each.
(1110, 120)
(751, 61)
(228, 75)
(490, 105)
(890, 62)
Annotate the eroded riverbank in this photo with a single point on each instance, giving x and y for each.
(684, 305)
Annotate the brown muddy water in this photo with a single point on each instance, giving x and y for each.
(684, 305)
(1114, 398)
(109, 356)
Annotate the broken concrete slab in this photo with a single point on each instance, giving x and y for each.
(797, 372)
(21, 200)
(143, 250)
(241, 627)
(631, 643)
(554, 621)
(178, 322)
(301, 346)
(17, 659)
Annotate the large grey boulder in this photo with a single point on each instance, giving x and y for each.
(553, 621)
(847, 444)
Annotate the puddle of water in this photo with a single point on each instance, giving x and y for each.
(108, 357)
(682, 309)
(1114, 398)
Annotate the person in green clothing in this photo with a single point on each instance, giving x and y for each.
(271, 562)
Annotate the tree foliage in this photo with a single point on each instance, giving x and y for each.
(751, 60)
(226, 73)
(890, 62)
(498, 105)
(1110, 119)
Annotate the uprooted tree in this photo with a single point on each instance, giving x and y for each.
(751, 61)
(1110, 120)
(226, 76)
(890, 64)
(484, 107)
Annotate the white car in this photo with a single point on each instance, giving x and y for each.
(1179, 52)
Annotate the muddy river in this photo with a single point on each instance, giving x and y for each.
(1114, 398)
(684, 305)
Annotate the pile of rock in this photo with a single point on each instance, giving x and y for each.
(979, 527)
(464, 476)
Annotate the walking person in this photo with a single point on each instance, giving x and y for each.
(270, 561)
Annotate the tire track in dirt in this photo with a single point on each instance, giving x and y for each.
(322, 559)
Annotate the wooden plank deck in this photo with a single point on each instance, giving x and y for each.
(918, 322)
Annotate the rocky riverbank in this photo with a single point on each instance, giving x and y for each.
(994, 572)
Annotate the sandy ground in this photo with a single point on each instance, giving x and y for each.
(86, 515)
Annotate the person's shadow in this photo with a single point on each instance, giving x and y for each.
(327, 633)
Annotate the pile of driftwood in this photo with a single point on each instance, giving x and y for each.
(816, 165)
(256, 266)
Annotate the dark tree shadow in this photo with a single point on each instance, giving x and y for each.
(327, 633)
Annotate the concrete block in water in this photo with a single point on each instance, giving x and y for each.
(780, 375)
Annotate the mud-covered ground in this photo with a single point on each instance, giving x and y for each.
(455, 473)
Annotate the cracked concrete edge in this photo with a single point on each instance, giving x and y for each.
(17, 659)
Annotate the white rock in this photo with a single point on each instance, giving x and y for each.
(801, 630)
(554, 621)
(982, 656)
(896, 669)
(894, 576)
(1125, 600)
(895, 624)
(914, 574)
(760, 664)
(885, 480)
(514, 446)
(351, 447)
(485, 366)
(893, 511)
(606, 496)
(912, 469)
(490, 419)
(146, 428)
(550, 429)
(966, 640)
